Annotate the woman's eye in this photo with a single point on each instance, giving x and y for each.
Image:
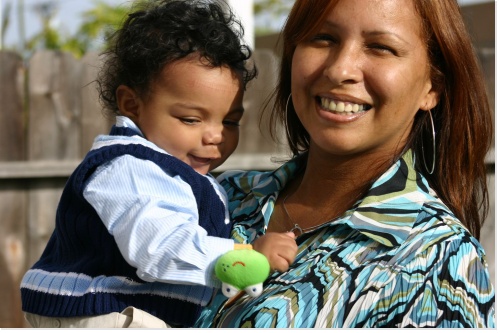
(382, 49)
(323, 38)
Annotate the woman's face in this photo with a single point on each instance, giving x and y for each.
(358, 83)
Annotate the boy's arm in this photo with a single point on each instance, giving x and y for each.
(154, 220)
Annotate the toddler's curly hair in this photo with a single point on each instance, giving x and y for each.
(163, 31)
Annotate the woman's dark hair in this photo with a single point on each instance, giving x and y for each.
(462, 118)
(160, 32)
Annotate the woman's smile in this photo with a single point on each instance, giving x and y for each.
(341, 107)
(340, 110)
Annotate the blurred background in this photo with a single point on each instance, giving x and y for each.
(79, 26)
(49, 112)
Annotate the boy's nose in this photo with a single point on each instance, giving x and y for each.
(213, 135)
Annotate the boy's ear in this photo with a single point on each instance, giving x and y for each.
(128, 102)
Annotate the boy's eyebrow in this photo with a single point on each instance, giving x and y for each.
(189, 105)
(238, 110)
(202, 108)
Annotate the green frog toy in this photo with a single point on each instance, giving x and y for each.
(242, 270)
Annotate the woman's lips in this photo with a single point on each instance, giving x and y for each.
(342, 107)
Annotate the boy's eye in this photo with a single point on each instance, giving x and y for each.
(234, 123)
(189, 121)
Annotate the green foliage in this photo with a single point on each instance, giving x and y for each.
(48, 38)
(5, 20)
(99, 22)
(275, 7)
(269, 15)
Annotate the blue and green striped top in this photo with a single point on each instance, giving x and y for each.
(398, 258)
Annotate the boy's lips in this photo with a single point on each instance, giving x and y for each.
(202, 160)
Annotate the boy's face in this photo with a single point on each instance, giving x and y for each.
(193, 112)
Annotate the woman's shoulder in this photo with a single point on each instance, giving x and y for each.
(266, 181)
(436, 218)
(437, 230)
(238, 174)
(242, 181)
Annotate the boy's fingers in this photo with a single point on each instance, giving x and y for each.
(282, 266)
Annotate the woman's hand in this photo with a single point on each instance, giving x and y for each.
(280, 249)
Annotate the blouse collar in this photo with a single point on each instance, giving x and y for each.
(386, 214)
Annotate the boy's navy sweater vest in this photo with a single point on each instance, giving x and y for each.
(81, 253)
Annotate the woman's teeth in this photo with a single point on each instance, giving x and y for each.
(342, 107)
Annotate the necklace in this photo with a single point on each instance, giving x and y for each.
(297, 227)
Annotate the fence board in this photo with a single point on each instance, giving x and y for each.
(93, 121)
(13, 200)
(12, 246)
(254, 137)
(54, 108)
(487, 59)
(11, 99)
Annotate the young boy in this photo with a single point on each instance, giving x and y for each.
(141, 222)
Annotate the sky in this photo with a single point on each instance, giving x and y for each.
(68, 16)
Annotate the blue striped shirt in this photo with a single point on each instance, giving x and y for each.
(397, 258)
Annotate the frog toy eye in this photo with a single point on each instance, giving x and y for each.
(229, 290)
(254, 290)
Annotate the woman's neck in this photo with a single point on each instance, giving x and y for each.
(326, 188)
(330, 185)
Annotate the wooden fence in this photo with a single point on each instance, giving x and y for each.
(49, 116)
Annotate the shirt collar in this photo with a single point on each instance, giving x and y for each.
(386, 214)
(122, 121)
(389, 210)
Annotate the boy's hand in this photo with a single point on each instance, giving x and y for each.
(280, 249)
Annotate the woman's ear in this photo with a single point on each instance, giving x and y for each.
(430, 100)
(128, 102)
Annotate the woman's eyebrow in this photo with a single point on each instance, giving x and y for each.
(376, 33)
(329, 25)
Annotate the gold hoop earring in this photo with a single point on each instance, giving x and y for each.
(433, 148)
(289, 137)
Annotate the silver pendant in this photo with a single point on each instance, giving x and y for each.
(296, 227)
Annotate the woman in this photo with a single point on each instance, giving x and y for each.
(387, 117)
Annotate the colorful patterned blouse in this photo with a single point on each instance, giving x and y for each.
(398, 258)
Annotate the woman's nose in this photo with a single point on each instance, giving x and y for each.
(343, 65)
